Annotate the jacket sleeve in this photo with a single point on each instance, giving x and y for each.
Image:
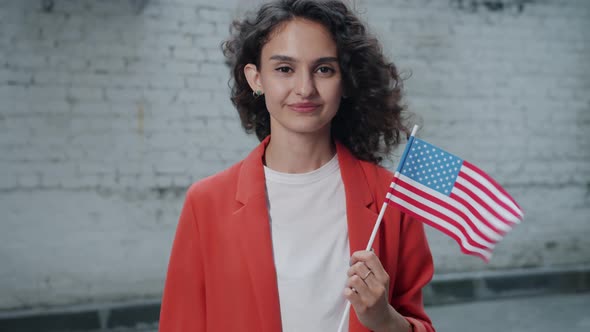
(414, 271)
(183, 301)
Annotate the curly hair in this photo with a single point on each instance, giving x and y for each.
(369, 121)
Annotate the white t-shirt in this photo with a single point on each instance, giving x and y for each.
(310, 245)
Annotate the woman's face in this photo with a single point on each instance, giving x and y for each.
(300, 78)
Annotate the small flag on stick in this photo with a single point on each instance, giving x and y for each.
(453, 196)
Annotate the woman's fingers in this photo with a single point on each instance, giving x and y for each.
(357, 292)
(358, 285)
(371, 261)
(367, 280)
(353, 297)
(367, 289)
(367, 275)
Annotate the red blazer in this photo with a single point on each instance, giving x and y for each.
(221, 275)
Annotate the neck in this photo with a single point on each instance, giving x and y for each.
(295, 153)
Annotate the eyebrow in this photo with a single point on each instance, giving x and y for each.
(287, 58)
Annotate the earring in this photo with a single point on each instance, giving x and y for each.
(257, 93)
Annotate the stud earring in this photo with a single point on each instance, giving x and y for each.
(257, 93)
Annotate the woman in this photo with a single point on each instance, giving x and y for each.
(276, 241)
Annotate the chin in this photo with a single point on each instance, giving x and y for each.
(309, 128)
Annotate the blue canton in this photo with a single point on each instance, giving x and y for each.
(431, 166)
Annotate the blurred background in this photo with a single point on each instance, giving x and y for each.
(110, 109)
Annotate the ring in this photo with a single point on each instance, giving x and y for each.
(367, 275)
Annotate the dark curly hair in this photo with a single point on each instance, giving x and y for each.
(369, 121)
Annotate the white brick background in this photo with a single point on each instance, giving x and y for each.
(107, 116)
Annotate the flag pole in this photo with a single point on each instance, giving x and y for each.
(378, 222)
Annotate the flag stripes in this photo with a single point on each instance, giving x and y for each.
(476, 214)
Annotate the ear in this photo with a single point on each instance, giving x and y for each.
(253, 77)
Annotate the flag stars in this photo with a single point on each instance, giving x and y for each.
(432, 167)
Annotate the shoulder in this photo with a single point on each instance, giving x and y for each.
(377, 176)
(217, 185)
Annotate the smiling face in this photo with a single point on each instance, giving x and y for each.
(300, 78)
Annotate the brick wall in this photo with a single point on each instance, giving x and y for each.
(107, 115)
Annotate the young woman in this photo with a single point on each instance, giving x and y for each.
(276, 242)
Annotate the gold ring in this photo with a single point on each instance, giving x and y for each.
(367, 275)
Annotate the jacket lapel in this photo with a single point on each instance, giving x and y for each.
(361, 211)
(252, 228)
(361, 208)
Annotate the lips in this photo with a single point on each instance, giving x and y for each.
(304, 107)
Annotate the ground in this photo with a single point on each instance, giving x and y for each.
(549, 313)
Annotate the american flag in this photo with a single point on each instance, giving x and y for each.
(453, 196)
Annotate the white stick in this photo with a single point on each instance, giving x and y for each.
(414, 130)
(372, 239)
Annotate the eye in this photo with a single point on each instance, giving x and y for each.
(325, 70)
(284, 69)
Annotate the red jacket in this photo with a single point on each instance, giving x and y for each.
(221, 275)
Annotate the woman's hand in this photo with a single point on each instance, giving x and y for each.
(367, 290)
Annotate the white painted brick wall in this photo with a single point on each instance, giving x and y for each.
(107, 116)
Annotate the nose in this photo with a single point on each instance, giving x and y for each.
(304, 85)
